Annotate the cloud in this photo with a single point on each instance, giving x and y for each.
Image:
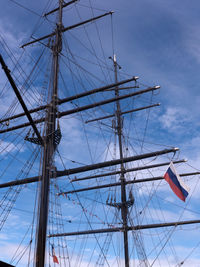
(7, 250)
(175, 118)
(10, 40)
(7, 147)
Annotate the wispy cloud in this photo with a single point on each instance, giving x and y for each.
(175, 118)
(7, 147)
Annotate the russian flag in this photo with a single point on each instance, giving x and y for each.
(175, 182)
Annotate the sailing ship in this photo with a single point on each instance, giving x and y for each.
(85, 186)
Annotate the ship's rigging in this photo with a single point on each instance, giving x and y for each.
(119, 203)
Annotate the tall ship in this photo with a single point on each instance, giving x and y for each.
(84, 178)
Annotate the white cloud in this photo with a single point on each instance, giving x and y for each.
(7, 249)
(11, 40)
(7, 147)
(174, 118)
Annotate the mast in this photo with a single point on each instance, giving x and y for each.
(124, 208)
(49, 149)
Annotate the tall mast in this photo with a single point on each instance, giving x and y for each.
(124, 208)
(49, 149)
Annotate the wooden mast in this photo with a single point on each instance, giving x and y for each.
(49, 149)
(124, 208)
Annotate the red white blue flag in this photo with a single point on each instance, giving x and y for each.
(55, 259)
(176, 183)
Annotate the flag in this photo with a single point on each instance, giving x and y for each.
(55, 259)
(176, 183)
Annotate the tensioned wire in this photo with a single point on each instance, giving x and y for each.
(92, 62)
(99, 37)
(73, 73)
(24, 87)
(86, 112)
(25, 8)
(13, 145)
(44, 9)
(12, 198)
(86, 216)
(79, 67)
(82, 84)
(30, 227)
(56, 221)
(91, 52)
(76, 63)
(17, 66)
(86, 32)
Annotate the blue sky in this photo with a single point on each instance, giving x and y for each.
(155, 40)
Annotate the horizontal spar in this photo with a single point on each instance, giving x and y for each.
(107, 101)
(123, 113)
(129, 228)
(92, 167)
(127, 170)
(23, 125)
(70, 98)
(67, 29)
(21, 182)
(116, 162)
(97, 90)
(127, 182)
(79, 109)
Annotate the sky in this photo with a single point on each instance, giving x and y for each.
(158, 41)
